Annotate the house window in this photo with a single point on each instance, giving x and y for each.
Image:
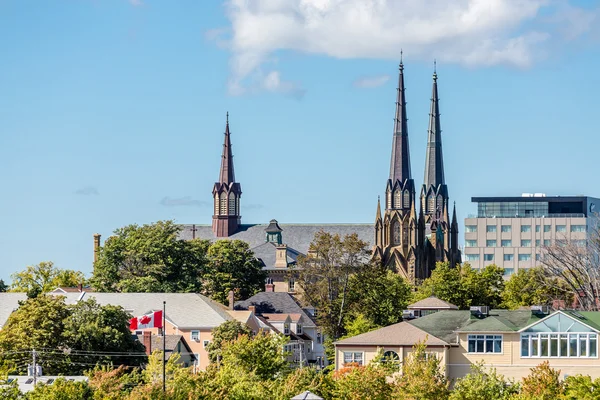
(195, 336)
(525, 243)
(470, 228)
(537, 228)
(291, 285)
(559, 345)
(525, 228)
(506, 228)
(205, 343)
(509, 271)
(561, 228)
(353, 357)
(139, 333)
(286, 329)
(319, 338)
(471, 257)
(485, 343)
(524, 257)
(547, 228)
(299, 329)
(508, 257)
(578, 228)
(488, 257)
(470, 243)
(490, 228)
(490, 243)
(506, 243)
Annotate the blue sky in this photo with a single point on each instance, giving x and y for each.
(112, 111)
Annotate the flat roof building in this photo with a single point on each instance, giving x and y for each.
(512, 232)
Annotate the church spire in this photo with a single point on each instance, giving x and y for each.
(400, 162)
(378, 214)
(434, 160)
(227, 174)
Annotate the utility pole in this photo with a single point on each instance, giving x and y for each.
(164, 329)
(34, 368)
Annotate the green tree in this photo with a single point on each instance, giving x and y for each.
(357, 325)
(9, 391)
(113, 383)
(542, 383)
(61, 389)
(379, 293)
(228, 331)
(533, 286)
(357, 383)
(150, 258)
(463, 286)
(300, 380)
(581, 387)
(480, 384)
(422, 377)
(232, 266)
(324, 277)
(44, 277)
(3, 286)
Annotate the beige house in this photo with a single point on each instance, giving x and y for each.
(510, 341)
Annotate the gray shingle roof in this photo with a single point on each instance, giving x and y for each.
(156, 342)
(432, 302)
(267, 254)
(275, 302)
(8, 303)
(400, 334)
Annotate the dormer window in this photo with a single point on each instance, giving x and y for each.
(286, 329)
(299, 329)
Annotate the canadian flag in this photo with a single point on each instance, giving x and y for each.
(152, 320)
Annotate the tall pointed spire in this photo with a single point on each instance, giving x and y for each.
(227, 174)
(378, 215)
(400, 162)
(434, 160)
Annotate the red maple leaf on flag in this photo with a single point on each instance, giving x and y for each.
(145, 319)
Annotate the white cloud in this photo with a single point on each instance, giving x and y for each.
(367, 82)
(468, 32)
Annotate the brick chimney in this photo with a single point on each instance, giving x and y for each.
(96, 245)
(252, 308)
(231, 300)
(281, 256)
(80, 287)
(147, 341)
(269, 287)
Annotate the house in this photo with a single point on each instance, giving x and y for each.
(510, 341)
(281, 312)
(427, 306)
(172, 344)
(190, 315)
(26, 383)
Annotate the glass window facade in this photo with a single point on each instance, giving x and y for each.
(510, 209)
(578, 228)
(559, 345)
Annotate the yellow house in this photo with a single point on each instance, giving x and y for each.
(510, 341)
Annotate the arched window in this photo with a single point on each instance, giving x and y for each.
(405, 235)
(217, 204)
(440, 201)
(223, 204)
(390, 356)
(396, 233)
(397, 199)
(430, 204)
(388, 200)
(232, 204)
(406, 200)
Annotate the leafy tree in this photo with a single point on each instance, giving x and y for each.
(44, 277)
(464, 286)
(150, 258)
(357, 383)
(3, 286)
(581, 387)
(542, 383)
(324, 277)
(9, 391)
(300, 380)
(232, 266)
(357, 325)
(113, 383)
(260, 354)
(228, 331)
(379, 293)
(480, 384)
(533, 286)
(61, 389)
(422, 377)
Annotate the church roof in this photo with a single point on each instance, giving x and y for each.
(275, 303)
(267, 254)
(297, 236)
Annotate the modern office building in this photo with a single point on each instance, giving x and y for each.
(512, 232)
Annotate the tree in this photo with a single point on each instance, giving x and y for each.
(578, 266)
(3, 286)
(324, 277)
(300, 380)
(43, 278)
(232, 266)
(480, 384)
(61, 389)
(532, 286)
(380, 294)
(67, 339)
(542, 383)
(463, 286)
(422, 377)
(357, 383)
(228, 331)
(581, 387)
(150, 258)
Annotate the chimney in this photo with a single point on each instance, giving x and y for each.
(96, 245)
(80, 287)
(281, 256)
(147, 341)
(269, 287)
(231, 299)
(252, 308)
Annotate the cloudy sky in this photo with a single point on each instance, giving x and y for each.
(112, 111)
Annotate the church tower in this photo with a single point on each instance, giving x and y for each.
(396, 232)
(226, 193)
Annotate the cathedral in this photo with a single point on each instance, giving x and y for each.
(411, 239)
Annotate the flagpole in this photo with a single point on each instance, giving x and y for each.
(164, 327)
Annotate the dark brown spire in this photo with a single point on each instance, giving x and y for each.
(400, 163)
(227, 174)
(378, 215)
(434, 160)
